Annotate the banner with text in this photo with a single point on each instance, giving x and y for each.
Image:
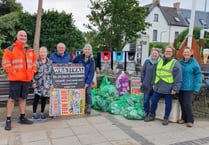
(135, 85)
(68, 76)
(67, 102)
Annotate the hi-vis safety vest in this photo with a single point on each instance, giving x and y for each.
(164, 72)
(20, 65)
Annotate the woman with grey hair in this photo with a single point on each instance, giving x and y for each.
(147, 74)
(86, 58)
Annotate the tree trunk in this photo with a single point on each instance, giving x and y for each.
(38, 28)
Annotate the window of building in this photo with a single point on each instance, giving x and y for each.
(202, 21)
(176, 34)
(176, 19)
(188, 20)
(154, 35)
(155, 17)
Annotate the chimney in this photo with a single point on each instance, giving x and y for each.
(153, 1)
(176, 5)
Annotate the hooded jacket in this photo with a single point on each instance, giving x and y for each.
(192, 75)
(147, 72)
(89, 67)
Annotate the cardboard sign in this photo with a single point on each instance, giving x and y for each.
(68, 76)
(67, 102)
(135, 85)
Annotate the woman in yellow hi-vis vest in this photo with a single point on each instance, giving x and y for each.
(167, 82)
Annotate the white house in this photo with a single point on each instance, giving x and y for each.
(166, 22)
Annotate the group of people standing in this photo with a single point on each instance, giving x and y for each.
(23, 67)
(164, 77)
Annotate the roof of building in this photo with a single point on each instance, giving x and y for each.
(201, 17)
(181, 17)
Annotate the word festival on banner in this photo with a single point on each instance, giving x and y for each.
(67, 102)
(68, 76)
(135, 85)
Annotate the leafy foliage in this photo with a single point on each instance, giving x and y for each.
(8, 6)
(116, 22)
(56, 27)
(59, 27)
(182, 35)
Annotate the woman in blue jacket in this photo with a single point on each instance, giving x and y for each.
(192, 80)
(88, 61)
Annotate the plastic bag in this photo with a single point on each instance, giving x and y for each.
(118, 107)
(104, 81)
(134, 113)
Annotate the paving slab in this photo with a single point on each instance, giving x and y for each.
(87, 129)
(104, 129)
(73, 140)
(93, 138)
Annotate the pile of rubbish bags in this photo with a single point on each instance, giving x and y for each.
(106, 98)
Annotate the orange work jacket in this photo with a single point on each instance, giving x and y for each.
(20, 62)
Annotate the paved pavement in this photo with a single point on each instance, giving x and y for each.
(104, 129)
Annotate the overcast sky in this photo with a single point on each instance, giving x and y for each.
(80, 8)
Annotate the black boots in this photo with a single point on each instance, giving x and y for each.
(150, 117)
(88, 109)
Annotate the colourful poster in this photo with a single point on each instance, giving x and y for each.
(135, 85)
(67, 102)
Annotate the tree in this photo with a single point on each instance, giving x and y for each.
(38, 28)
(59, 27)
(183, 34)
(8, 6)
(116, 22)
(56, 27)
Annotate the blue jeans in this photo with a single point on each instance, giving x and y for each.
(147, 101)
(88, 95)
(168, 103)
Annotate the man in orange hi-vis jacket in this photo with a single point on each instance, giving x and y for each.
(19, 60)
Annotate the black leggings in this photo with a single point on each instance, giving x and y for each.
(35, 103)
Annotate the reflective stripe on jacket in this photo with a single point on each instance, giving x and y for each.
(164, 72)
(19, 62)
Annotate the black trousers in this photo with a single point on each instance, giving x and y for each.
(185, 100)
(35, 103)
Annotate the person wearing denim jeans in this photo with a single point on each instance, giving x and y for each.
(167, 82)
(88, 61)
(168, 103)
(147, 74)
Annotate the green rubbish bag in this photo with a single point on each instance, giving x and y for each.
(134, 113)
(103, 105)
(104, 81)
(95, 99)
(118, 107)
(134, 100)
(109, 91)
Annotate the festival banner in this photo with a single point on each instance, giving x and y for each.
(68, 75)
(135, 85)
(67, 102)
